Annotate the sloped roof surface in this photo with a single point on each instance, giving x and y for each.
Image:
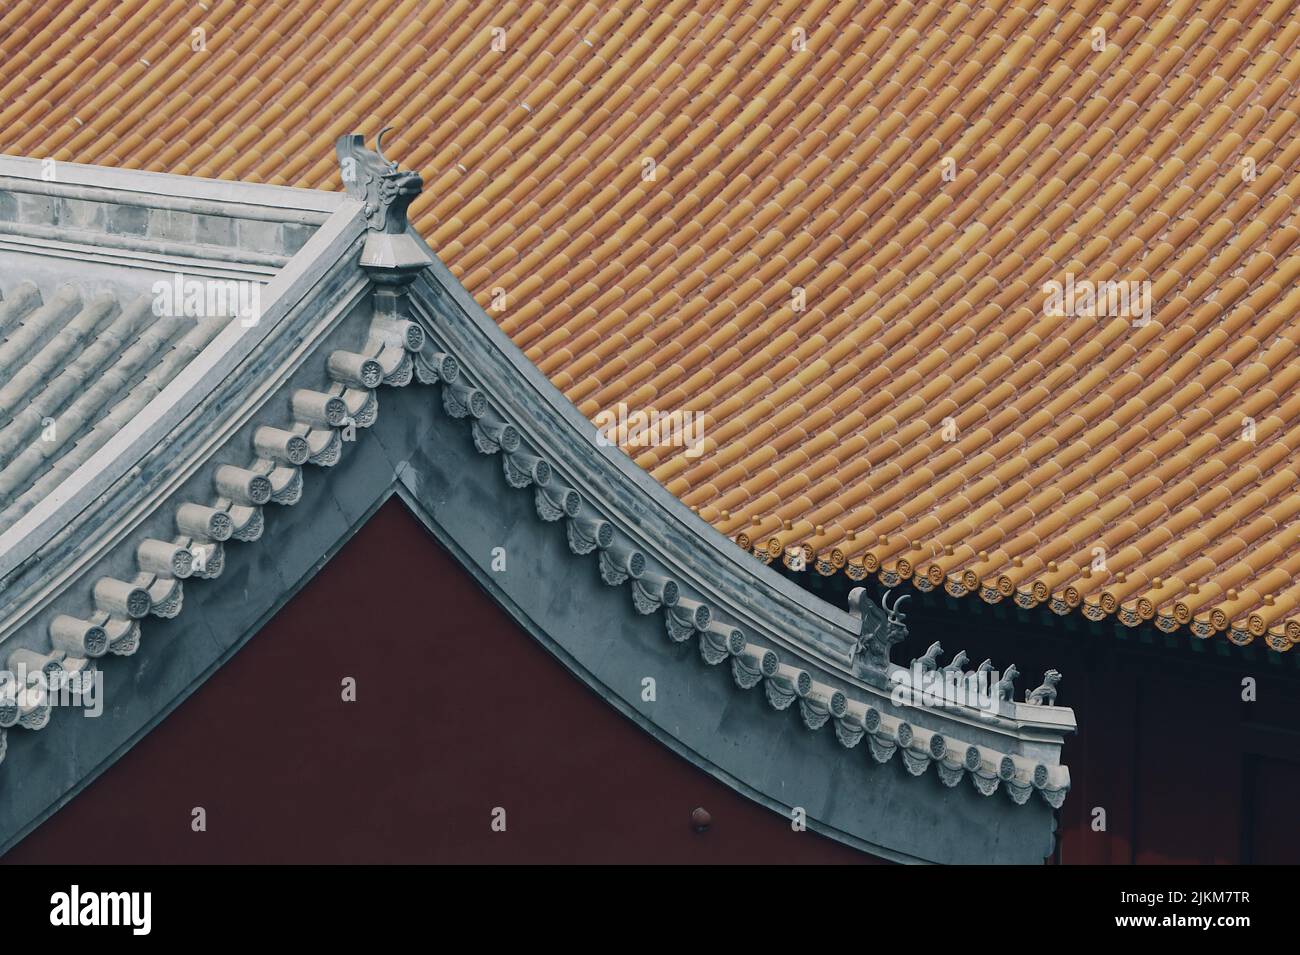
(75, 366)
(826, 228)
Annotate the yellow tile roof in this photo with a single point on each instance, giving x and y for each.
(826, 227)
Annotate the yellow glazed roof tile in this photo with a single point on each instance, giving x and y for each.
(831, 231)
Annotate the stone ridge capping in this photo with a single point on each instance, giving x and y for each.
(476, 389)
(453, 346)
(622, 563)
(164, 190)
(233, 344)
(154, 223)
(233, 511)
(163, 225)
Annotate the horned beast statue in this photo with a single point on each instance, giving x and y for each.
(386, 192)
(878, 632)
(369, 176)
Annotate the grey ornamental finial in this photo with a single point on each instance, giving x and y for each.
(958, 664)
(1005, 688)
(878, 630)
(379, 147)
(375, 180)
(386, 192)
(930, 659)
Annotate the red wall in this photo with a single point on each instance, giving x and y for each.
(1185, 770)
(458, 711)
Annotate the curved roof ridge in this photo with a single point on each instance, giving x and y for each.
(824, 229)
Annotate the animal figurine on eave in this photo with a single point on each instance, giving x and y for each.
(930, 659)
(1005, 688)
(1045, 695)
(879, 630)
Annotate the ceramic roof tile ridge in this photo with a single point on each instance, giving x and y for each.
(1067, 158)
(396, 352)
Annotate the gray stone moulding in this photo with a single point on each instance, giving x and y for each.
(310, 397)
(623, 561)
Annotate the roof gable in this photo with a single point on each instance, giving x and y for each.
(502, 456)
(828, 235)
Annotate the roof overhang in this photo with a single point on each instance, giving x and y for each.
(612, 573)
(101, 252)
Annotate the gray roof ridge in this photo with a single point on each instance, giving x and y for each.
(27, 523)
(424, 327)
(166, 190)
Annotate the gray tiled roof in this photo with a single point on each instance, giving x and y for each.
(75, 363)
(172, 438)
(141, 317)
